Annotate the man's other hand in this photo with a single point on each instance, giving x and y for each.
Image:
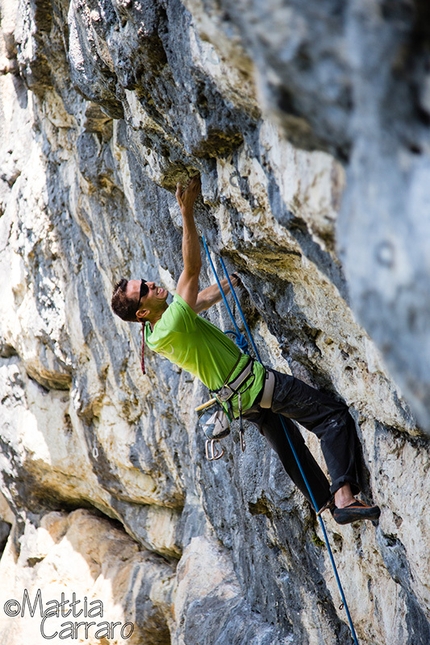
(188, 195)
(235, 280)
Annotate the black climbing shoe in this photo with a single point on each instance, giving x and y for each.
(356, 511)
(327, 506)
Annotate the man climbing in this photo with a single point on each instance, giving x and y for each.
(177, 332)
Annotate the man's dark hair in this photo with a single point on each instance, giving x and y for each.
(122, 305)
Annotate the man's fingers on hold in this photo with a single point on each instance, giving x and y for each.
(194, 185)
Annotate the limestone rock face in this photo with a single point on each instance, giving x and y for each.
(124, 589)
(353, 79)
(105, 490)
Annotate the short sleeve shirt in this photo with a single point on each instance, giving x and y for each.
(199, 347)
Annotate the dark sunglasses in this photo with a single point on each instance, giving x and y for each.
(144, 289)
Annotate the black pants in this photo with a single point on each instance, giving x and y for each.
(327, 418)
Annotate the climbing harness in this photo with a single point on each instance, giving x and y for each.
(233, 388)
(230, 388)
(267, 398)
(268, 387)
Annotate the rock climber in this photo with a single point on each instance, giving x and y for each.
(177, 332)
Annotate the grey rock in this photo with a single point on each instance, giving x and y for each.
(351, 79)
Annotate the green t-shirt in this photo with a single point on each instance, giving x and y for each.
(196, 345)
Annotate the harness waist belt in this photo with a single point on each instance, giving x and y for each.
(269, 385)
(229, 389)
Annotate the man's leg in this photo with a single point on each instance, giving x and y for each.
(270, 426)
(330, 420)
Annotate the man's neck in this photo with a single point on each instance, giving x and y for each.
(155, 317)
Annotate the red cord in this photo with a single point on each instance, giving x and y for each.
(142, 360)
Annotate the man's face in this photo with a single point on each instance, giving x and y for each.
(155, 297)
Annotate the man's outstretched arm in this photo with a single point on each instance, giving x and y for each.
(211, 295)
(188, 283)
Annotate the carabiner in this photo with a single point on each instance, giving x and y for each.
(213, 451)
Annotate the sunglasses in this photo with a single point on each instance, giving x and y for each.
(144, 289)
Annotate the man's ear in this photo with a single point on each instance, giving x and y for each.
(141, 314)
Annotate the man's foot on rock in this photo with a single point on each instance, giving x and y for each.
(329, 505)
(356, 511)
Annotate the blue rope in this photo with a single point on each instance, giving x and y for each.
(322, 525)
(239, 308)
(293, 450)
(240, 338)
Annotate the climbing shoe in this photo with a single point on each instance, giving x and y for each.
(327, 506)
(356, 511)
